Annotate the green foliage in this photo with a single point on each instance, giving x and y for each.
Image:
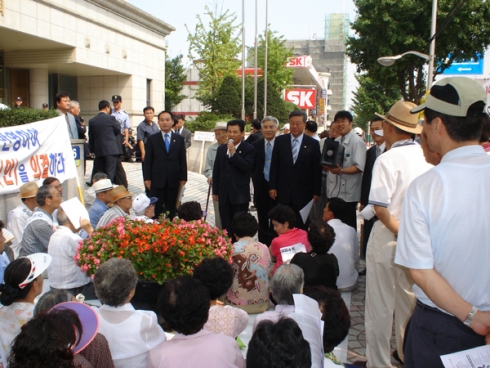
(228, 100)
(174, 81)
(13, 117)
(370, 98)
(213, 51)
(206, 121)
(276, 106)
(392, 27)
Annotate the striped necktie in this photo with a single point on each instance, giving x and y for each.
(295, 149)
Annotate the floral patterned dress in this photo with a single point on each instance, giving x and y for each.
(12, 318)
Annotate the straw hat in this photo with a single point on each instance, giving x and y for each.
(400, 116)
(120, 192)
(28, 190)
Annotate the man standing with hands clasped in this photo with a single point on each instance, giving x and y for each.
(444, 233)
(165, 165)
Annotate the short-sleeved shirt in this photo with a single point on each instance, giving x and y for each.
(290, 237)
(17, 219)
(96, 211)
(251, 261)
(444, 225)
(123, 118)
(110, 215)
(144, 130)
(348, 187)
(393, 172)
(37, 234)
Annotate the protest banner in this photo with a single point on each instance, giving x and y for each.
(34, 151)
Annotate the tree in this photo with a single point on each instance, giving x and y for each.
(214, 52)
(175, 78)
(392, 27)
(276, 106)
(277, 56)
(228, 100)
(371, 97)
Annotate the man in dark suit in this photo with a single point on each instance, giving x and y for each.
(165, 166)
(261, 177)
(181, 130)
(296, 174)
(231, 174)
(104, 140)
(372, 154)
(256, 133)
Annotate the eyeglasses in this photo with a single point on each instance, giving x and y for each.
(57, 195)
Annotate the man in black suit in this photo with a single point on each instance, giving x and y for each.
(296, 174)
(183, 131)
(231, 174)
(261, 177)
(256, 132)
(165, 165)
(376, 126)
(104, 134)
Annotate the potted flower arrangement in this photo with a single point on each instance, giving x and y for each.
(159, 251)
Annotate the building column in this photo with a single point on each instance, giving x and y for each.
(38, 87)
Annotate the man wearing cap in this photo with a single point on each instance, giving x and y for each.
(345, 182)
(123, 118)
(40, 226)
(103, 197)
(389, 286)
(17, 103)
(444, 232)
(146, 128)
(64, 273)
(221, 138)
(62, 101)
(261, 176)
(122, 201)
(104, 140)
(18, 217)
(165, 168)
(183, 131)
(286, 129)
(144, 208)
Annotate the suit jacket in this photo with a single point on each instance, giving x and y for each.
(368, 175)
(186, 133)
(296, 183)
(258, 168)
(254, 137)
(231, 175)
(162, 167)
(104, 133)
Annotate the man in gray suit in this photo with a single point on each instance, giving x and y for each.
(179, 129)
(62, 100)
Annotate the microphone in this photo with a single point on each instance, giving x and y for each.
(230, 141)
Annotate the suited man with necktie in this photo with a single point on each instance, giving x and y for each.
(181, 130)
(165, 165)
(231, 174)
(295, 173)
(261, 177)
(62, 101)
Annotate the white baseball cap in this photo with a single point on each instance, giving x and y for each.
(141, 201)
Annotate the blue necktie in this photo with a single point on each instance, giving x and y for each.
(267, 164)
(295, 150)
(167, 143)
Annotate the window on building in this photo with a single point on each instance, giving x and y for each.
(148, 92)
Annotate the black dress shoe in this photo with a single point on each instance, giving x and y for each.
(396, 356)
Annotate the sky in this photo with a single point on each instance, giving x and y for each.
(294, 19)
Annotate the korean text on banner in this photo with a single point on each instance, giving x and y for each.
(32, 152)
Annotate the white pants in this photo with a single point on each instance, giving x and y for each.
(388, 291)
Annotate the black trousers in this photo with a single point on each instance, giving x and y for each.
(431, 333)
(227, 211)
(147, 191)
(351, 215)
(167, 197)
(106, 164)
(120, 176)
(264, 203)
(368, 226)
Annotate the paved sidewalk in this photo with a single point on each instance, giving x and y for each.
(197, 190)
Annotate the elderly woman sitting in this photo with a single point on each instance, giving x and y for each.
(131, 333)
(217, 275)
(184, 304)
(190, 211)
(122, 201)
(287, 281)
(320, 267)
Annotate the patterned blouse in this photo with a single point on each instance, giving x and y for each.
(226, 320)
(251, 261)
(12, 318)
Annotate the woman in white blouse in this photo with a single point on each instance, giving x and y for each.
(131, 333)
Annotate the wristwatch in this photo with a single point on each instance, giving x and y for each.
(471, 315)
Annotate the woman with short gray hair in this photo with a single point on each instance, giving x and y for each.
(288, 280)
(131, 333)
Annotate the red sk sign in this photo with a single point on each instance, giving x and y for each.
(304, 98)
